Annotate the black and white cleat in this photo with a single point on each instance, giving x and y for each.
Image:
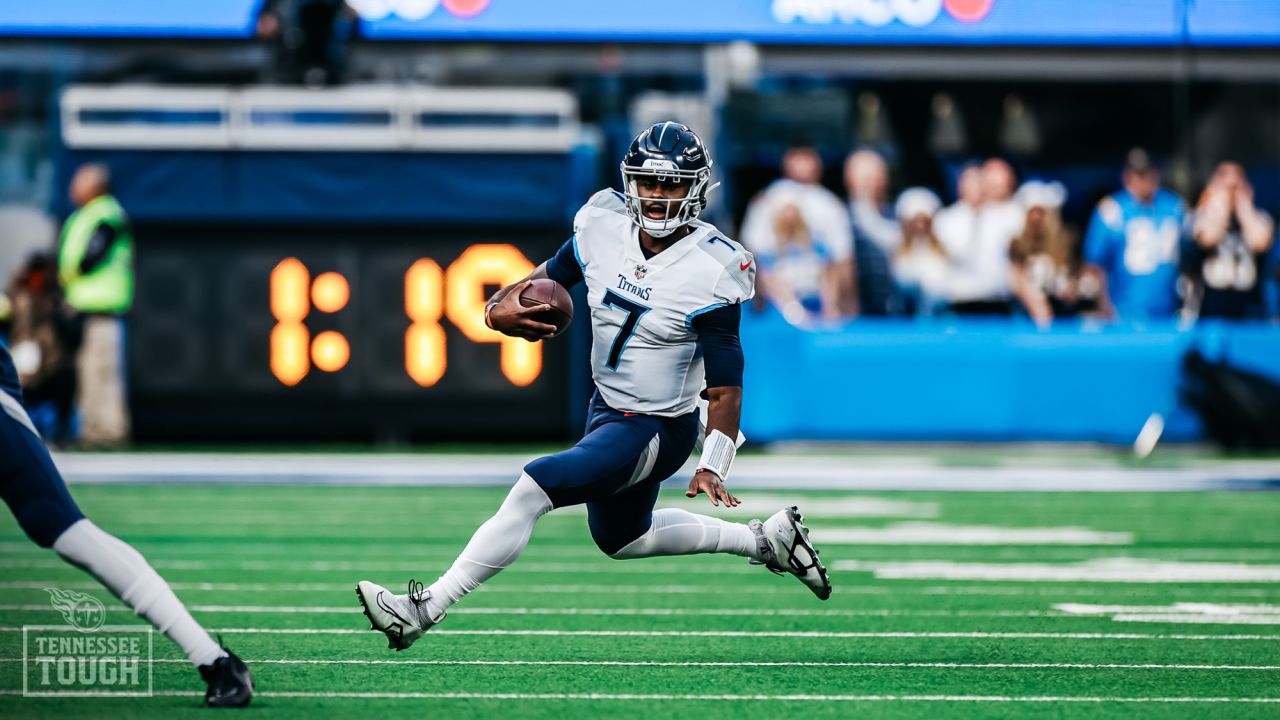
(784, 544)
(402, 618)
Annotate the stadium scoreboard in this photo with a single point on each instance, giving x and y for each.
(332, 336)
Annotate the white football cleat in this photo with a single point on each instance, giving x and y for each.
(402, 618)
(784, 544)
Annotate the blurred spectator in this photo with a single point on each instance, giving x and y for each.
(822, 214)
(24, 230)
(958, 219)
(1225, 249)
(95, 266)
(920, 264)
(798, 277)
(976, 233)
(1133, 238)
(876, 235)
(1049, 278)
(43, 343)
(309, 38)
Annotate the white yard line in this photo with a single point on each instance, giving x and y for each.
(1199, 619)
(1105, 590)
(603, 567)
(928, 533)
(347, 587)
(722, 698)
(752, 634)
(778, 471)
(778, 664)
(658, 612)
(1097, 570)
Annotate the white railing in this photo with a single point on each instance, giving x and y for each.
(375, 117)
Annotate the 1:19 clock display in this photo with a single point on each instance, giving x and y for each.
(327, 334)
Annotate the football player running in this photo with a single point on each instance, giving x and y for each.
(665, 292)
(32, 488)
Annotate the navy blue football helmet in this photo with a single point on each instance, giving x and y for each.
(670, 152)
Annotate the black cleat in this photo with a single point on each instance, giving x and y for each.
(230, 684)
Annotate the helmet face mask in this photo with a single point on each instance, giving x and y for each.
(666, 153)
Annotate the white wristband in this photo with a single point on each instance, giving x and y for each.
(718, 452)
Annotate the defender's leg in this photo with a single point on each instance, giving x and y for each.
(34, 490)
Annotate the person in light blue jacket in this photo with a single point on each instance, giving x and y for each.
(1134, 237)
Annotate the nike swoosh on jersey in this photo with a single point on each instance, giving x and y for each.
(744, 267)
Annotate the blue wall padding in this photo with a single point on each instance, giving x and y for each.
(958, 380)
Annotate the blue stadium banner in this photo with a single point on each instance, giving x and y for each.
(1234, 22)
(130, 18)
(832, 22)
(843, 22)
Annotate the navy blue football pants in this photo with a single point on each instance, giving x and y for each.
(29, 483)
(617, 469)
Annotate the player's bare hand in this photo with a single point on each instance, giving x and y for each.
(509, 317)
(708, 482)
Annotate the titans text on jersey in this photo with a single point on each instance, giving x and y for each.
(645, 354)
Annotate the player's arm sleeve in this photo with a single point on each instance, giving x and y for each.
(721, 346)
(717, 325)
(565, 267)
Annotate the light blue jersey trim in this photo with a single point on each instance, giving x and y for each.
(688, 319)
(578, 255)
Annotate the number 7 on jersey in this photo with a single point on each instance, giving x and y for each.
(633, 310)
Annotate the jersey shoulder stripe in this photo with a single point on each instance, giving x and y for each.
(688, 319)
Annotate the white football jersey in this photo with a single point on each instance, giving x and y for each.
(645, 356)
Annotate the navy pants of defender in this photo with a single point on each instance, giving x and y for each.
(617, 469)
(29, 483)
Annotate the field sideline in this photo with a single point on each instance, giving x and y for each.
(947, 604)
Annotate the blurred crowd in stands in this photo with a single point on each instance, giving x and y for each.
(1001, 248)
(62, 316)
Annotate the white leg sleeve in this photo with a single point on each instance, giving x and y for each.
(129, 577)
(677, 532)
(494, 546)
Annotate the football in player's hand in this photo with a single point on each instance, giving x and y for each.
(549, 292)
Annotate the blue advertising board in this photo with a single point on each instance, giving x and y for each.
(1234, 22)
(831, 22)
(861, 22)
(130, 18)
(837, 22)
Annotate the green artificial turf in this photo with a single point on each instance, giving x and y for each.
(672, 637)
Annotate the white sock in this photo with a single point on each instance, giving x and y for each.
(129, 577)
(677, 532)
(494, 546)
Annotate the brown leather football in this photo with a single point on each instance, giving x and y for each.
(549, 292)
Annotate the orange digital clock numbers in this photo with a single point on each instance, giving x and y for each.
(430, 295)
(424, 344)
(499, 265)
(290, 339)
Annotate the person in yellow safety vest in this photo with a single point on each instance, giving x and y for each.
(95, 266)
